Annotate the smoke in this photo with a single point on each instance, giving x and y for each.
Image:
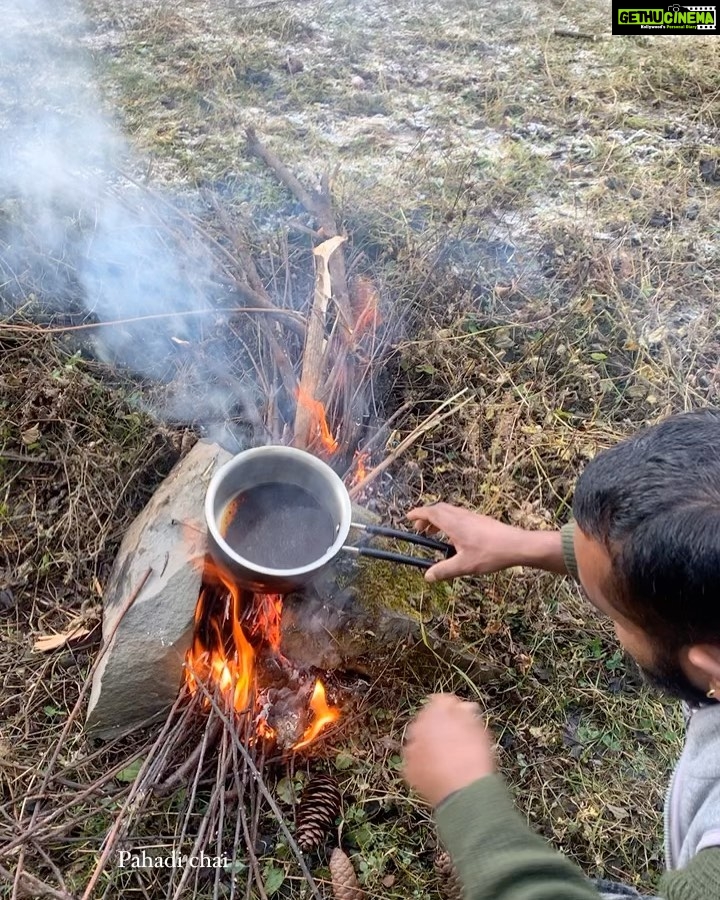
(70, 224)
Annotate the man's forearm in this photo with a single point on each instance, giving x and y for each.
(540, 550)
(496, 854)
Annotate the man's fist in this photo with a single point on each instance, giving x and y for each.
(447, 748)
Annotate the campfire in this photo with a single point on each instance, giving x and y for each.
(245, 673)
(236, 656)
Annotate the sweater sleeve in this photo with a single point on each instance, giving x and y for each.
(499, 858)
(496, 854)
(567, 534)
(699, 880)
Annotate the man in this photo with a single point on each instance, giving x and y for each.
(645, 548)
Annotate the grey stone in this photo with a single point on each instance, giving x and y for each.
(140, 672)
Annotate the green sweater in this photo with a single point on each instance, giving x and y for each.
(499, 858)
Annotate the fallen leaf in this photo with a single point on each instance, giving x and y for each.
(131, 771)
(273, 876)
(49, 642)
(343, 761)
(620, 812)
(31, 435)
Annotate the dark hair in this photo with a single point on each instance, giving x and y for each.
(654, 502)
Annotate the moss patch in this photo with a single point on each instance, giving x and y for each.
(401, 589)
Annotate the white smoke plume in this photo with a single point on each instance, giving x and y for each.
(69, 221)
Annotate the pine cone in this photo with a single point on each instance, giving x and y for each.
(450, 884)
(318, 809)
(344, 880)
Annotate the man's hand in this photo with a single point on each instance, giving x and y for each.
(447, 748)
(485, 545)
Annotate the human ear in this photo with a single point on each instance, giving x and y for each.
(706, 658)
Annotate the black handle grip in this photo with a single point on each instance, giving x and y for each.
(409, 537)
(389, 556)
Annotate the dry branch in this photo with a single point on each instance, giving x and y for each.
(318, 205)
(314, 352)
(292, 317)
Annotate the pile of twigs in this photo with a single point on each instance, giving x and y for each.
(204, 748)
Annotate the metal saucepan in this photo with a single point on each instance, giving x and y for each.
(286, 468)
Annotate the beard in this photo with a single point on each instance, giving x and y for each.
(668, 678)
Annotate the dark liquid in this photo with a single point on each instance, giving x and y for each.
(277, 526)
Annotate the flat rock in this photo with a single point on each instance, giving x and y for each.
(141, 670)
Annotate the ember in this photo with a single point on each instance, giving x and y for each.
(224, 660)
(359, 470)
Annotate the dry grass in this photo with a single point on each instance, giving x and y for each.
(538, 205)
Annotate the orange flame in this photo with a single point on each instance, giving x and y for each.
(323, 713)
(222, 659)
(365, 302)
(360, 461)
(320, 423)
(209, 661)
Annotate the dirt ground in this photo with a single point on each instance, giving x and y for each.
(547, 208)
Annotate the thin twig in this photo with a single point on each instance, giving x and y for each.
(88, 326)
(249, 848)
(205, 824)
(212, 732)
(381, 433)
(262, 787)
(66, 729)
(21, 457)
(114, 833)
(432, 421)
(250, 295)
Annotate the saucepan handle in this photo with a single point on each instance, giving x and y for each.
(389, 556)
(408, 537)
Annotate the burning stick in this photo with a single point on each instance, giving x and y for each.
(306, 421)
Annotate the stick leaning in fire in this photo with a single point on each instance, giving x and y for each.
(316, 344)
